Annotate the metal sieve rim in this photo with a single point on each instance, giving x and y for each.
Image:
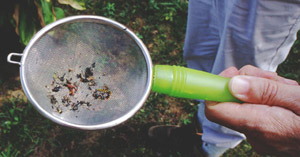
(115, 122)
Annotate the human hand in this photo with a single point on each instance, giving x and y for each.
(270, 116)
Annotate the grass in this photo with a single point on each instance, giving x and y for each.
(161, 26)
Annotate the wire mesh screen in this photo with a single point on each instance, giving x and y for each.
(86, 72)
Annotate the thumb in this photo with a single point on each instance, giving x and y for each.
(264, 91)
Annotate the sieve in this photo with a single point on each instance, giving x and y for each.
(90, 72)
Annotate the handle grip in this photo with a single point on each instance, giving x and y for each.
(189, 83)
(14, 54)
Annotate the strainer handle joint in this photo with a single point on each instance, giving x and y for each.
(9, 58)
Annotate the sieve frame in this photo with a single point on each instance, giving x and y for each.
(104, 20)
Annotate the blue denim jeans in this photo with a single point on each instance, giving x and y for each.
(228, 33)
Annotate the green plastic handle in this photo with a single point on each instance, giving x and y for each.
(189, 83)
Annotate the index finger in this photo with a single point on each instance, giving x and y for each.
(254, 71)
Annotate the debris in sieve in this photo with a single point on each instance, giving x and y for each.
(102, 93)
(66, 86)
(92, 83)
(56, 88)
(72, 89)
(62, 78)
(66, 101)
(89, 71)
(53, 99)
(58, 110)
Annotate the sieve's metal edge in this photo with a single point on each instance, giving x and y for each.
(86, 127)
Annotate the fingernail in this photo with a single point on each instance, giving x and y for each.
(239, 86)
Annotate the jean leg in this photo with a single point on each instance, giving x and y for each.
(202, 36)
